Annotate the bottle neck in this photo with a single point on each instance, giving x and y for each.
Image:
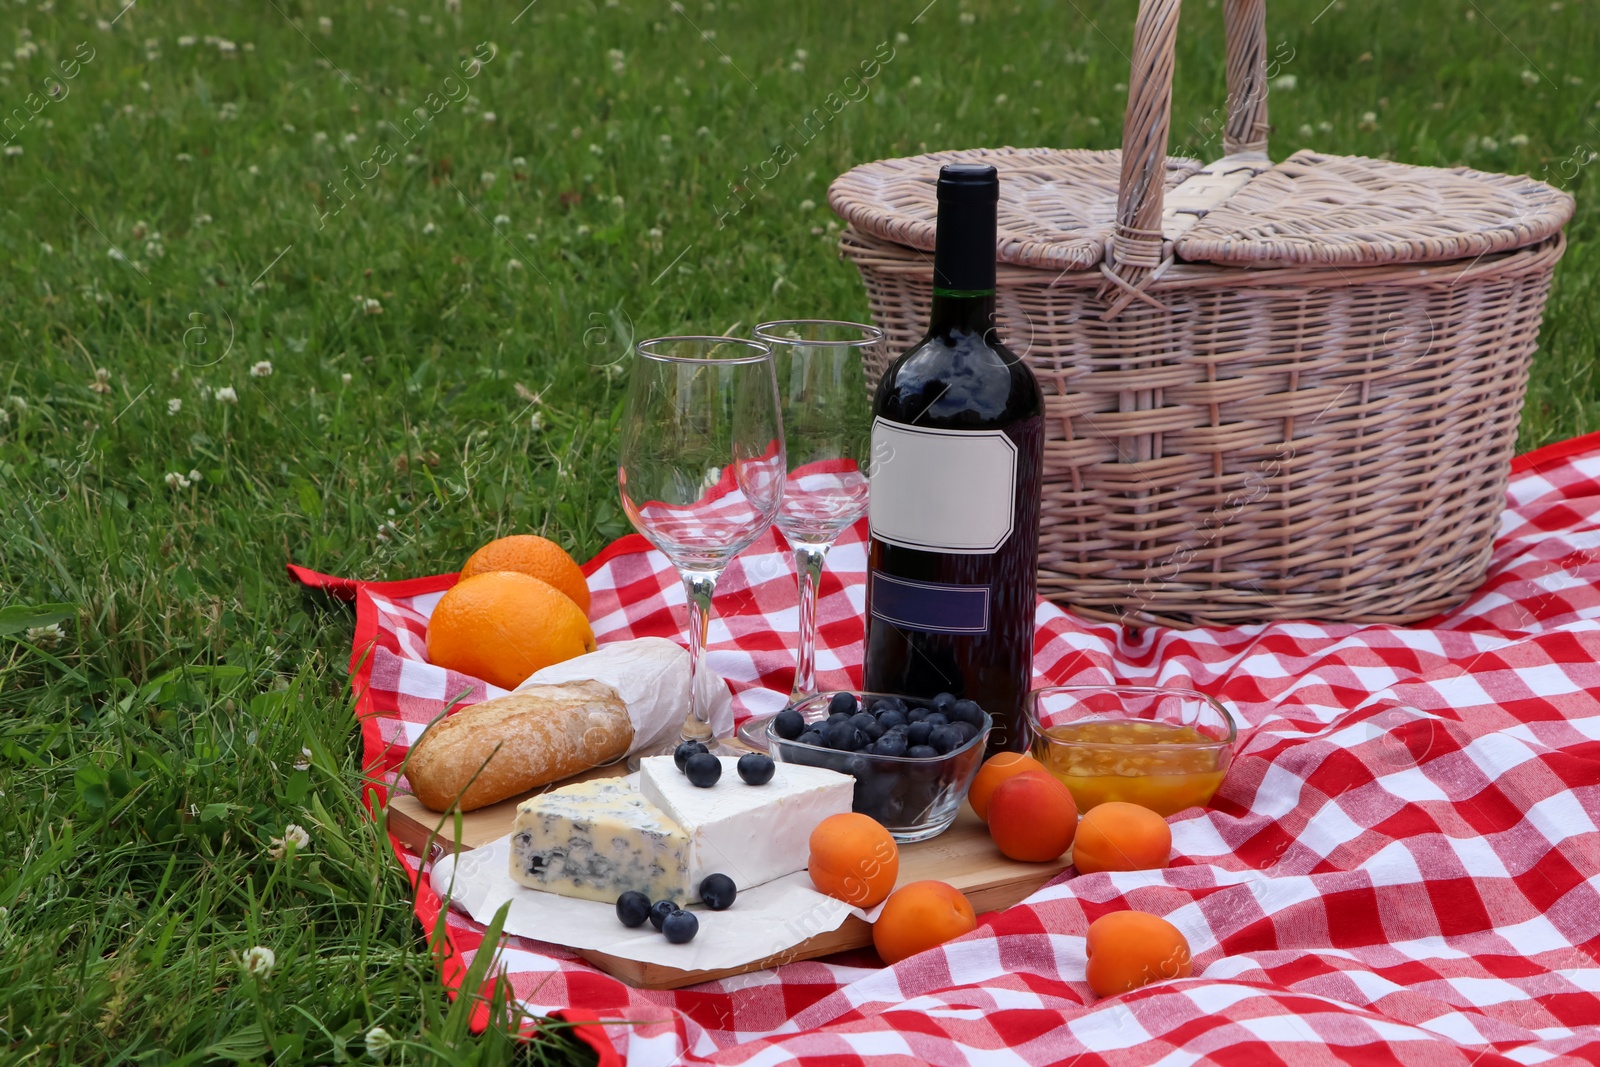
(961, 311)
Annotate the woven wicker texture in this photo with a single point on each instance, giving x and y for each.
(1343, 211)
(1319, 438)
(1057, 207)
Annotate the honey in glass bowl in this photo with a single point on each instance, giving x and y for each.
(1163, 749)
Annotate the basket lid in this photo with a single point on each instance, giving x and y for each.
(1057, 207)
(1323, 210)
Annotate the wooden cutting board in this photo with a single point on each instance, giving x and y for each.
(963, 856)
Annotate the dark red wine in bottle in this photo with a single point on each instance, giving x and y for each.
(957, 436)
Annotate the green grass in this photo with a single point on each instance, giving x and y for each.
(147, 756)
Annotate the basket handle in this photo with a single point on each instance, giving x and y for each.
(1137, 242)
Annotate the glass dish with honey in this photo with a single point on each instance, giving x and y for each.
(1161, 748)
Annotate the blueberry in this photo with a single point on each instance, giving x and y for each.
(859, 739)
(891, 718)
(789, 724)
(937, 718)
(943, 701)
(945, 739)
(968, 731)
(889, 704)
(840, 735)
(718, 891)
(836, 717)
(918, 733)
(756, 768)
(874, 730)
(680, 927)
(922, 752)
(812, 737)
(844, 703)
(916, 715)
(857, 767)
(861, 720)
(967, 711)
(633, 908)
(892, 744)
(703, 769)
(681, 754)
(659, 912)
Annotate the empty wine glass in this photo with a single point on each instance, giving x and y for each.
(701, 471)
(827, 424)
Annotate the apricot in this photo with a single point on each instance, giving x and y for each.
(1032, 817)
(854, 859)
(919, 916)
(996, 769)
(1128, 949)
(1118, 836)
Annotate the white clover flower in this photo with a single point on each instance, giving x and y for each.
(303, 763)
(325, 24)
(513, 265)
(378, 1041)
(967, 18)
(1324, 126)
(488, 178)
(429, 229)
(184, 157)
(536, 422)
(225, 46)
(262, 369)
(502, 220)
(1000, 100)
(596, 150)
(808, 205)
(176, 481)
(45, 636)
(202, 219)
(666, 140)
(350, 138)
(102, 381)
(371, 306)
(292, 835)
(902, 38)
(618, 203)
(346, 378)
(1285, 81)
(583, 231)
(1369, 120)
(801, 54)
(174, 405)
(797, 67)
(916, 80)
(1530, 78)
(489, 116)
(186, 41)
(1517, 140)
(252, 170)
(519, 162)
(258, 961)
(13, 151)
(155, 249)
(704, 131)
(47, 248)
(531, 237)
(196, 476)
(226, 395)
(1305, 130)
(412, 159)
(654, 233)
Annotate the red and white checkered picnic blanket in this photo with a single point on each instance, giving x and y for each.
(1403, 864)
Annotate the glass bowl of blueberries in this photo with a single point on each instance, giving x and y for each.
(913, 759)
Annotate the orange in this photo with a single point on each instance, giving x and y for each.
(1118, 836)
(1128, 949)
(919, 916)
(854, 859)
(503, 626)
(996, 769)
(1032, 817)
(537, 557)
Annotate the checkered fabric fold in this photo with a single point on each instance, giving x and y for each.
(1403, 864)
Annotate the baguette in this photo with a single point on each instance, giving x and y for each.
(518, 742)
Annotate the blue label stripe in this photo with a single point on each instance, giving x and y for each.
(930, 607)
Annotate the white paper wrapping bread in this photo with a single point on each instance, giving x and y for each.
(651, 675)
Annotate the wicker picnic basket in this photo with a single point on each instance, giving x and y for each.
(1272, 391)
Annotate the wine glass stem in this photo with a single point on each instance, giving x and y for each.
(699, 585)
(808, 569)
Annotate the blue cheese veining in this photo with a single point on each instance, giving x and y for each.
(597, 840)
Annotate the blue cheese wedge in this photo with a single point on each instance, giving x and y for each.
(751, 833)
(599, 839)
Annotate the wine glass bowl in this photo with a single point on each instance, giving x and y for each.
(822, 389)
(701, 467)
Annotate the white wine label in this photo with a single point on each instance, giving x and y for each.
(942, 490)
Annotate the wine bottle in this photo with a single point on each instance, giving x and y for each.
(957, 437)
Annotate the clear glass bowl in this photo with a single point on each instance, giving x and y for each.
(1161, 748)
(915, 799)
